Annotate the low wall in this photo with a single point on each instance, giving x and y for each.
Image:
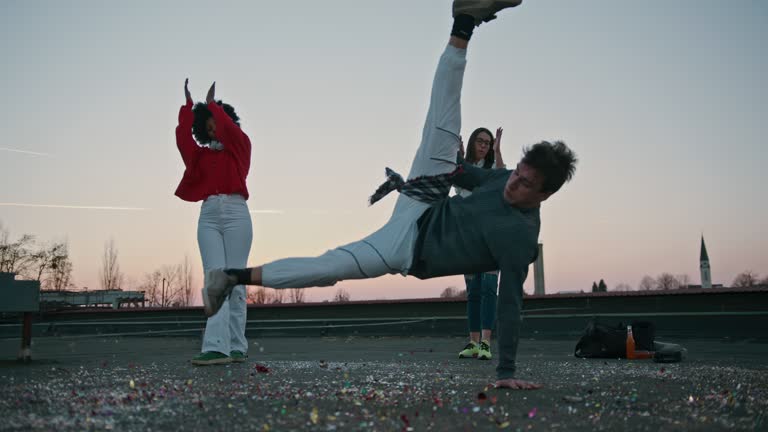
(727, 313)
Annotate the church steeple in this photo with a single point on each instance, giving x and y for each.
(706, 274)
(703, 255)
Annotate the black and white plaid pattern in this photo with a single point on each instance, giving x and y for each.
(426, 189)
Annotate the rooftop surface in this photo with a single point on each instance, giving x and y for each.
(367, 383)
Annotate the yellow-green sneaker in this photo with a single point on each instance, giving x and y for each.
(484, 351)
(469, 351)
(210, 358)
(238, 356)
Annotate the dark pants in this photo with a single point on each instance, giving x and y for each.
(481, 300)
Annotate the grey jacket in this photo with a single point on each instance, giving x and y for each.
(477, 234)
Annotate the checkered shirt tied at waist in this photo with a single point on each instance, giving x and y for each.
(426, 189)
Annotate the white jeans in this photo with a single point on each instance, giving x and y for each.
(390, 249)
(224, 235)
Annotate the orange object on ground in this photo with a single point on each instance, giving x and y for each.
(632, 354)
(630, 343)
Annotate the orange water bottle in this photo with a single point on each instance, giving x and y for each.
(630, 343)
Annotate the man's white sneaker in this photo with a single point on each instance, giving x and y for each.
(217, 288)
(482, 10)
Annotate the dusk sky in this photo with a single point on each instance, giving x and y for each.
(662, 101)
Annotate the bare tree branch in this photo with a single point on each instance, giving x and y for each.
(186, 282)
(453, 292)
(256, 295)
(622, 286)
(683, 280)
(341, 296)
(278, 296)
(647, 283)
(16, 257)
(297, 295)
(666, 281)
(110, 275)
(746, 279)
(170, 288)
(60, 270)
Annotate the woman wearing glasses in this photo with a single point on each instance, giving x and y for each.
(484, 152)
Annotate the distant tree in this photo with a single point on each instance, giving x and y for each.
(278, 295)
(60, 270)
(47, 264)
(601, 287)
(257, 295)
(594, 287)
(341, 296)
(186, 282)
(449, 292)
(110, 275)
(666, 281)
(40, 262)
(453, 292)
(745, 279)
(647, 283)
(764, 281)
(296, 295)
(164, 287)
(683, 281)
(15, 257)
(170, 289)
(59, 274)
(152, 287)
(43, 260)
(623, 287)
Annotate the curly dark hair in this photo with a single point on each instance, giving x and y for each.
(490, 157)
(202, 114)
(555, 161)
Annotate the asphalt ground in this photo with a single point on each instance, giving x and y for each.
(365, 383)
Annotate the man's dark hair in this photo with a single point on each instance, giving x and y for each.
(490, 157)
(202, 114)
(555, 161)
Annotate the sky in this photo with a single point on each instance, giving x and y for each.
(662, 101)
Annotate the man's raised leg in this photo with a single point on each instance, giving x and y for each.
(436, 155)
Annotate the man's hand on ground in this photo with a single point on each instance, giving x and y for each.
(517, 384)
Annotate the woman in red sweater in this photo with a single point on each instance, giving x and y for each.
(216, 166)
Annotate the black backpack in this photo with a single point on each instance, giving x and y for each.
(601, 340)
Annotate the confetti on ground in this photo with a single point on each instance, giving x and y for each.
(365, 385)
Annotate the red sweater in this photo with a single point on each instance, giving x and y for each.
(210, 172)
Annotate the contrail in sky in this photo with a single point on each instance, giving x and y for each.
(13, 204)
(26, 152)
(70, 206)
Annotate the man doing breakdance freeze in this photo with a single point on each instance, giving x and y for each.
(429, 234)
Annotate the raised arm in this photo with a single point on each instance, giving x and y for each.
(228, 132)
(499, 161)
(184, 141)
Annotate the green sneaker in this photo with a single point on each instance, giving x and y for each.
(469, 351)
(484, 351)
(210, 358)
(238, 356)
